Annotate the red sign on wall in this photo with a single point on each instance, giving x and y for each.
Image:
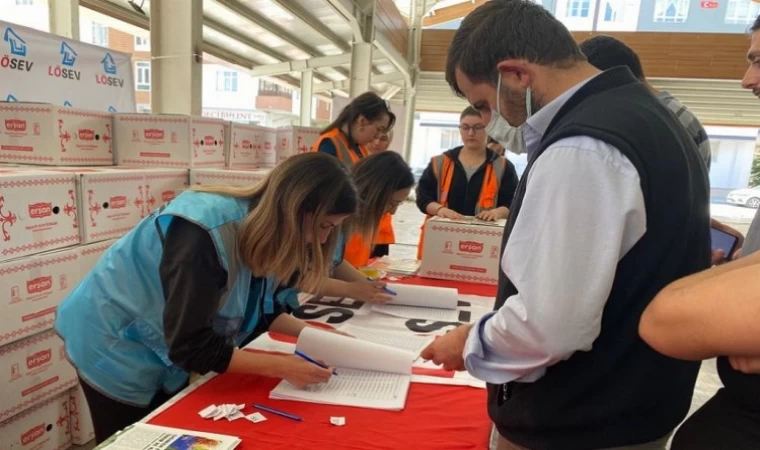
(708, 4)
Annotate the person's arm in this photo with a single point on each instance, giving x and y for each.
(427, 192)
(587, 197)
(327, 146)
(712, 313)
(508, 186)
(351, 283)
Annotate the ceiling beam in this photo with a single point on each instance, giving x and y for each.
(345, 84)
(350, 12)
(394, 56)
(449, 13)
(300, 13)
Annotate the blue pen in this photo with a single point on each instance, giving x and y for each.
(279, 413)
(302, 355)
(386, 289)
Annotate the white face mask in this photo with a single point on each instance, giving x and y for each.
(511, 138)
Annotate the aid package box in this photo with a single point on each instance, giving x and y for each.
(251, 147)
(463, 250)
(82, 429)
(168, 140)
(43, 134)
(38, 212)
(43, 427)
(227, 177)
(295, 140)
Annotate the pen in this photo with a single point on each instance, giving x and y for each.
(279, 413)
(386, 289)
(302, 355)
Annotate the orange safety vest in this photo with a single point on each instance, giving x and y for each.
(357, 250)
(443, 169)
(385, 234)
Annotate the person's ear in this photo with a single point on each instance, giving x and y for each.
(516, 73)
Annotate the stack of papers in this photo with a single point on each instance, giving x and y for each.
(411, 343)
(422, 302)
(229, 412)
(143, 436)
(401, 267)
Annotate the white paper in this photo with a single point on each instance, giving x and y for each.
(256, 417)
(235, 415)
(346, 352)
(424, 296)
(374, 390)
(409, 342)
(151, 437)
(338, 421)
(208, 412)
(414, 312)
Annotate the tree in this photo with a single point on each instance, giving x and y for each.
(754, 176)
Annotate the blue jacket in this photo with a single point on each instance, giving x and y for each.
(112, 322)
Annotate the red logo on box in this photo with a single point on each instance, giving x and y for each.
(15, 125)
(154, 134)
(246, 144)
(32, 435)
(267, 145)
(118, 202)
(708, 5)
(39, 359)
(470, 247)
(87, 135)
(208, 140)
(40, 210)
(167, 196)
(39, 284)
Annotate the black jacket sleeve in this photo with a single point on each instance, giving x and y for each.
(427, 189)
(508, 186)
(193, 281)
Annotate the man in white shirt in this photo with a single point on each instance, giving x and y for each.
(611, 208)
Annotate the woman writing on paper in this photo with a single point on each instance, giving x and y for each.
(183, 289)
(470, 180)
(383, 182)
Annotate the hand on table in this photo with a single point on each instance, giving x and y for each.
(447, 350)
(368, 291)
(447, 213)
(299, 372)
(745, 364)
(492, 215)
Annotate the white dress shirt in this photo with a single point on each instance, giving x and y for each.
(583, 210)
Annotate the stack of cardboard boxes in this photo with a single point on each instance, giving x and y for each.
(63, 202)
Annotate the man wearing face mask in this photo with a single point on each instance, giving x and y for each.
(611, 208)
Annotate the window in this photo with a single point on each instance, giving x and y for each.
(671, 11)
(450, 138)
(142, 44)
(99, 34)
(226, 81)
(143, 108)
(142, 75)
(742, 12)
(578, 8)
(267, 88)
(714, 151)
(24, 2)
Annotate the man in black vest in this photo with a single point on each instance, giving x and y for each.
(612, 207)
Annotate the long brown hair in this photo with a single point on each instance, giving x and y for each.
(377, 178)
(271, 237)
(369, 105)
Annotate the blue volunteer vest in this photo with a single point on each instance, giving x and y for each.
(112, 322)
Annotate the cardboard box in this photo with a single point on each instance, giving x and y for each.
(43, 427)
(226, 177)
(294, 140)
(31, 289)
(82, 429)
(114, 200)
(37, 133)
(38, 212)
(251, 147)
(35, 369)
(157, 140)
(465, 250)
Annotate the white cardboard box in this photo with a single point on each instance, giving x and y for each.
(35, 369)
(227, 177)
(245, 141)
(466, 250)
(42, 134)
(82, 429)
(31, 289)
(295, 140)
(43, 427)
(114, 200)
(38, 212)
(158, 140)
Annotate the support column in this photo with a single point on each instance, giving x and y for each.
(361, 68)
(410, 87)
(176, 48)
(307, 88)
(64, 18)
(410, 101)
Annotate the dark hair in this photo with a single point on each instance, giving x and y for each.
(606, 52)
(377, 178)
(369, 105)
(755, 26)
(508, 29)
(469, 111)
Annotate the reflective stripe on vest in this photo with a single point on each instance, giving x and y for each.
(343, 149)
(443, 169)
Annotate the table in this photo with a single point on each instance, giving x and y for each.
(435, 417)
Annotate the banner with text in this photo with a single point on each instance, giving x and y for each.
(42, 67)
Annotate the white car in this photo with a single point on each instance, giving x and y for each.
(745, 197)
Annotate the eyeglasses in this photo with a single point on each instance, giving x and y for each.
(464, 128)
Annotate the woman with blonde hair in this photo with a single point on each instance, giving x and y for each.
(191, 282)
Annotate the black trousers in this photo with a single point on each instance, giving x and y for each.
(380, 250)
(110, 416)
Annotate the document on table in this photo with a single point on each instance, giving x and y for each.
(414, 312)
(370, 375)
(413, 343)
(143, 436)
(421, 302)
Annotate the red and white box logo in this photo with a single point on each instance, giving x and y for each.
(33, 434)
(39, 285)
(39, 359)
(153, 134)
(470, 247)
(87, 135)
(40, 210)
(15, 125)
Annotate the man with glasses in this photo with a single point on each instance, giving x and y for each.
(469, 180)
